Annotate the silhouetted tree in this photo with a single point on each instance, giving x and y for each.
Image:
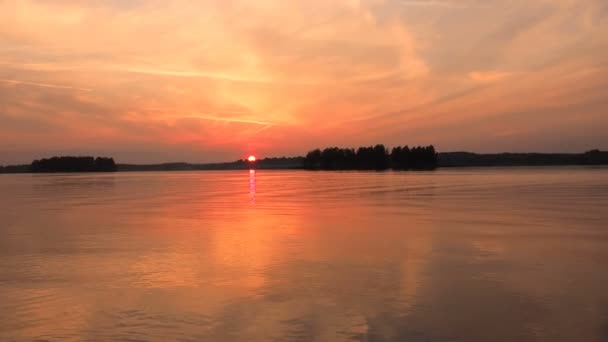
(14, 168)
(455, 159)
(312, 161)
(371, 158)
(105, 164)
(595, 157)
(73, 164)
(403, 158)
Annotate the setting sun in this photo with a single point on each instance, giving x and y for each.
(427, 170)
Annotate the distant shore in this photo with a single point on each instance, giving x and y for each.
(444, 160)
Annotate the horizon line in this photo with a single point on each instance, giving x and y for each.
(286, 157)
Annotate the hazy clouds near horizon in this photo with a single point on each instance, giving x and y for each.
(152, 80)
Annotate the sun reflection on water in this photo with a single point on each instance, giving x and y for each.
(252, 186)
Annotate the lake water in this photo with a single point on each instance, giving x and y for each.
(494, 254)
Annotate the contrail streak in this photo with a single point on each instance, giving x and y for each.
(238, 120)
(45, 85)
(176, 73)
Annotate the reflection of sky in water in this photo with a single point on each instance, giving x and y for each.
(446, 255)
(252, 186)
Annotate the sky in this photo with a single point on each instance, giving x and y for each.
(148, 81)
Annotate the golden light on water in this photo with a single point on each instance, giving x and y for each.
(252, 186)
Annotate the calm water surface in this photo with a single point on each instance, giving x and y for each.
(517, 254)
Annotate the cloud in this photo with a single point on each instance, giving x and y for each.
(188, 73)
(433, 3)
(204, 76)
(232, 119)
(45, 85)
(488, 76)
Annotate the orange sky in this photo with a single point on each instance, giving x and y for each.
(216, 80)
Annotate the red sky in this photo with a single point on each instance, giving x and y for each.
(176, 80)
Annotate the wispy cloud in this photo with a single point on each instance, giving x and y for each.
(489, 76)
(433, 3)
(45, 85)
(189, 73)
(229, 119)
(302, 73)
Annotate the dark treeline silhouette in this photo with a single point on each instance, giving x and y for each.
(73, 164)
(371, 158)
(274, 163)
(15, 168)
(266, 163)
(365, 158)
(595, 157)
(459, 159)
(156, 167)
(420, 157)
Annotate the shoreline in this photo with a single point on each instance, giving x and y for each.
(448, 160)
(439, 168)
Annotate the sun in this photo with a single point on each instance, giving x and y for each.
(252, 159)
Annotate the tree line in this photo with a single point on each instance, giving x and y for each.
(462, 159)
(73, 164)
(372, 158)
(365, 158)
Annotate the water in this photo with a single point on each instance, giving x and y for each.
(496, 254)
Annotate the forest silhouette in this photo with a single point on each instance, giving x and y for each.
(375, 157)
(73, 164)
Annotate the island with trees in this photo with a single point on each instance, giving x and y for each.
(375, 157)
(73, 164)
